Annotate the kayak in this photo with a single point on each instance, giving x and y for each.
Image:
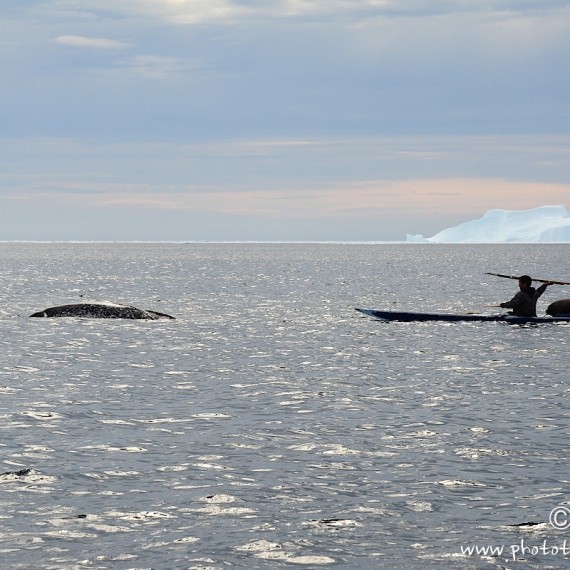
(407, 317)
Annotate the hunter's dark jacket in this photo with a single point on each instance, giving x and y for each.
(523, 303)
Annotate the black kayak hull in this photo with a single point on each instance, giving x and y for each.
(407, 317)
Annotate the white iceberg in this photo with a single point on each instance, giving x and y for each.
(547, 224)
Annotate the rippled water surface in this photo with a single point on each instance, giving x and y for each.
(271, 425)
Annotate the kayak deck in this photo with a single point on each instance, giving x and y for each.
(408, 317)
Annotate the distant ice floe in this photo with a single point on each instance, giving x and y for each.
(546, 224)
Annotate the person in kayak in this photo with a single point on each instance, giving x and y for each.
(523, 303)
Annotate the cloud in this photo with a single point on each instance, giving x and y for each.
(156, 67)
(372, 210)
(190, 12)
(273, 164)
(301, 67)
(197, 11)
(91, 43)
(322, 108)
(346, 13)
(381, 200)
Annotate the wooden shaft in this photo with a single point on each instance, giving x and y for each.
(517, 277)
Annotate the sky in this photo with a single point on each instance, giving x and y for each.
(278, 120)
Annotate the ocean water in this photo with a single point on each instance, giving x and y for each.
(271, 425)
